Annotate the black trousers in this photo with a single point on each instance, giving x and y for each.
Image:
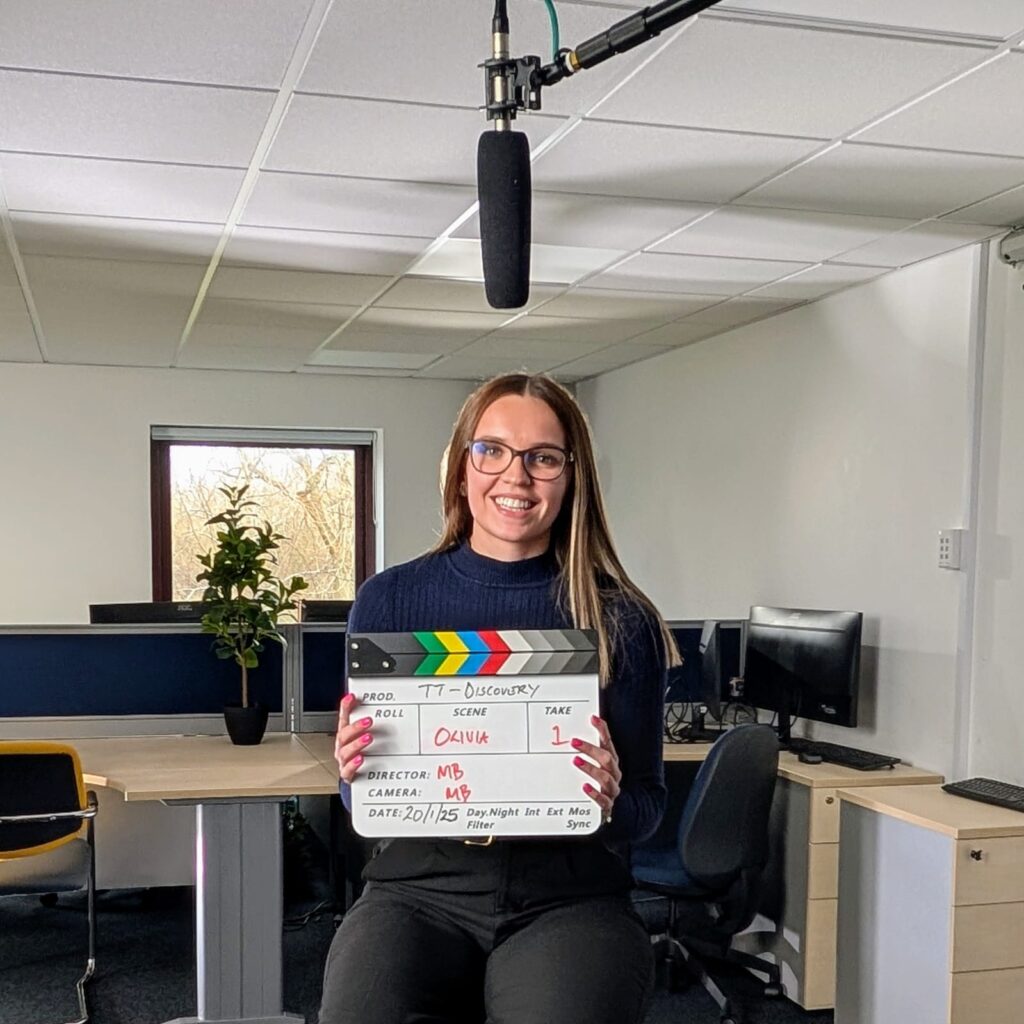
(409, 954)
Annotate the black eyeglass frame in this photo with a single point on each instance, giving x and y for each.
(520, 453)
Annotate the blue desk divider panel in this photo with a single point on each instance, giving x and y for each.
(106, 673)
(323, 669)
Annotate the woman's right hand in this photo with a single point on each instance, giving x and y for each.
(352, 738)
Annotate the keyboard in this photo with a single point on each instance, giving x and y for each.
(989, 791)
(849, 757)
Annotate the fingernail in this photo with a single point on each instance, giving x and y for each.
(588, 789)
(579, 762)
(357, 760)
(347, 699)
(577, 743)
(366, 723)
(365, 738)
(595, 720)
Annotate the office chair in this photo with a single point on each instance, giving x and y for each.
(46, 832)
(710, 871)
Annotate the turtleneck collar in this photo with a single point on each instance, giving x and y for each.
(525, 572)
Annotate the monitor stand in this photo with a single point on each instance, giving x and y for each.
(696, 732)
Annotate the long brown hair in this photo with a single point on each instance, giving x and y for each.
(591, 572)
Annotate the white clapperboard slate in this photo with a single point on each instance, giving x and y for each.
(472, 732)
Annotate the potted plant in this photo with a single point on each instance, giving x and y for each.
(243, 601)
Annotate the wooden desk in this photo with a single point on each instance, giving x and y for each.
(237, 793)
(797, 925)
(931, 909)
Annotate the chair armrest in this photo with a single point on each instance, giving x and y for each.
(86, 812)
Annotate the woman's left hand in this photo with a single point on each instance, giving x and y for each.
(605, 771)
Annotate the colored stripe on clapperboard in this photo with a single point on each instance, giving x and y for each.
(503, 652)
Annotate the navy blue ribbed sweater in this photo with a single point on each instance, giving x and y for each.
(460, 589)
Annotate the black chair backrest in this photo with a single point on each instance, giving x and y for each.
(723, 832)
(38, 778)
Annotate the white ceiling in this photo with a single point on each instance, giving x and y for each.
(289, 186)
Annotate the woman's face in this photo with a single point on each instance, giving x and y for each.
(512, 513)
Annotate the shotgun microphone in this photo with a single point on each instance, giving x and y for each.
(503, 178)
(503, 187)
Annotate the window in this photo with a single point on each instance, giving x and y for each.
(315, 487)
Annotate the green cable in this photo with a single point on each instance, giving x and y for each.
(553, 15)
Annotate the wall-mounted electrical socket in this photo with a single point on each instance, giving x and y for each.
(949, 548)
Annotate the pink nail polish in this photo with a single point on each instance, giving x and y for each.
(577, 743)
(347, 699)
(588, 788)
(365, 738)
(366, 723)
(579, 762)
(357, 760)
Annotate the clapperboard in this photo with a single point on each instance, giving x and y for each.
(473, 732)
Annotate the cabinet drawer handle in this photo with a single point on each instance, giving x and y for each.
(830, 799)
(977, 854)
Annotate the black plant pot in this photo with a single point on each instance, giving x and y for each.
(246, 726)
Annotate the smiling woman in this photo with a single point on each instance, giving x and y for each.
(447, 930)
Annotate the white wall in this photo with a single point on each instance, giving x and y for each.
(997, 706)
(74, 466)
(809, 461)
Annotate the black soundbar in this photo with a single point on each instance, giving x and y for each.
(325, 611)
(143, 612)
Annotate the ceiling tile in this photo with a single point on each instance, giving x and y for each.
(448, 293)
(370, 360)
(112, 312)
(994, 19)
(8, 275)
(268, 317)
(117, 188)
(79, 116)
(219, 347)
(361, 205)
(772, 72)
(665, 272)
(610, 359)
(674, 335)
(435, 59)
(890, 181)
(322, 251)
(740, 310)
(460, 367)
(591, 333)
(502, 345)
(432, 344)
(245, 42)
(663, 163)
(962, 116)
(819, 281)
(114, 238)
(554, 264)
(294, 286)
(1006, 210)
(402, 330)
(395, 140)
(613, 304)
(599, 221)
(760, 233)
(919, 243)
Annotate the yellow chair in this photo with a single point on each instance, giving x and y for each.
(46, 831)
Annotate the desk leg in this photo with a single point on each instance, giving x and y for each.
(239, 897)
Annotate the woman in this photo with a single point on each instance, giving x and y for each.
(522, 931)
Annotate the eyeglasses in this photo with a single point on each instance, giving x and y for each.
(545, 462)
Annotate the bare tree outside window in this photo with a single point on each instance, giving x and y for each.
(307, 494)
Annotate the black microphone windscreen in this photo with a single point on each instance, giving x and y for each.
(503, 187)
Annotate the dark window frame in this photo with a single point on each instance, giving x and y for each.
(160, 503)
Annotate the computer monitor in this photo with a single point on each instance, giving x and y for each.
(145, 612)
(711, 657)
(326, 611)
(803, 663)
